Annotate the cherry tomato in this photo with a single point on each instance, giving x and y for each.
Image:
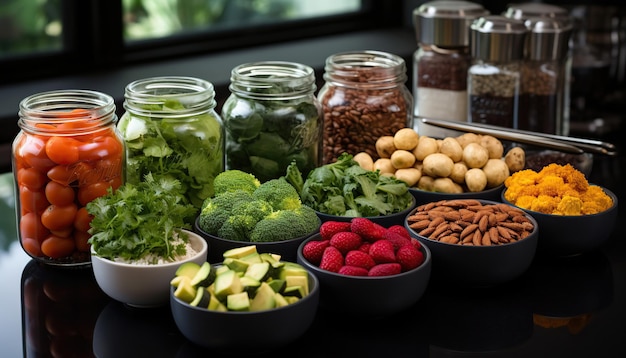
(62, 174)
(57, 247)
(87, 193)
(109, 168)
(67, 232)
(82, 220)
(59, 194)
(31, 178)
(32, 228)
(33, 150)
(62, 150)
(101, 147)
(31, 246)
(59, 217)
(81, 239)
(32, 200)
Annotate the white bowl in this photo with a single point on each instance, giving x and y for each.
(142, 285)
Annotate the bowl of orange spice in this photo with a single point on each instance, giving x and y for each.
(573, 215)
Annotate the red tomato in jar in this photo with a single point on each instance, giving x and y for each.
(33, 151)
(81, 239)
(101, 147)
(62, 174)
(62, 150)
(32, 228)
(59, 194)
(89, 192)
(32, 201)
(57, 247)
(83, 220)
(32, 178)
(31, 246)
(57, 217)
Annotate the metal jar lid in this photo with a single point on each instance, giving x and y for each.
(548, 39)
(446, 23)
(496, 38)
(523, 11)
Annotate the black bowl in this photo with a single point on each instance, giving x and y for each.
(217, 245)
(369, 297)
(384, 220)
(562, 235)
(423, 196)
(246, 332)
(480, 265)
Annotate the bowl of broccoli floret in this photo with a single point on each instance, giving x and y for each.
(243, 210)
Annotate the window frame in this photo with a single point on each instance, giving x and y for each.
(93, 39)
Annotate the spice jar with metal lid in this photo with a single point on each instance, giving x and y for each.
(272, 118)
(363, 98)
(441, 62)
(547, 67)
(68, 152)
(494, 79)
(171, 130)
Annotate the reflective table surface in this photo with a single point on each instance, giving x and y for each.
(565, 307)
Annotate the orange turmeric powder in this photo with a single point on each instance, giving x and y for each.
(556, 189)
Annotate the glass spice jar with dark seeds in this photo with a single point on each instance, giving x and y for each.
(441, 62)
(494, 79)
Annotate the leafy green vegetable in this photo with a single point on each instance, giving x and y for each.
(344, 188)
(189, 149)
(140, 219)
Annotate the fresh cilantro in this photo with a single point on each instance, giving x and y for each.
(140, 219)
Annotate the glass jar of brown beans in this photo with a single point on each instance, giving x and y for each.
(363, 98)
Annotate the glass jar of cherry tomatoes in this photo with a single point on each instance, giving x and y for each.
(67, 153)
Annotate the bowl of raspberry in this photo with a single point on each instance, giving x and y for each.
(366, 269)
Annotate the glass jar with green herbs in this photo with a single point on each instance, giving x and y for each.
(171, 129)
(272, 118)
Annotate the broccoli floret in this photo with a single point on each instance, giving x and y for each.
(216, 210)
(283, 225)
(243, 219)
(279, 193)
(234, 179)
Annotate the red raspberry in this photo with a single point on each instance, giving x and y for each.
(360, 259)
(332, 259)
(313, 250)
(330, 228)
(353, 271)
(346, 241)
(382, 251)
(387, 269)
(409, 257)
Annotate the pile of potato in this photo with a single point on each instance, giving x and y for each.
(467, 163)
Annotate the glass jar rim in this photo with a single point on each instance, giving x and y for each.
(272, 80)
(42, 112)
(150, 96)
(370, 68)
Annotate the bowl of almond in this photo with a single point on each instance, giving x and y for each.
(475, 242)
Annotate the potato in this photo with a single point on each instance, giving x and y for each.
(384, 165)
(425, 146)
(496, 171)
(475, 155)
(446, 185)
(384, 146)
(409, 175)
(493, 145)
(365, 160)
(458, 173)
(451, 147)
(405, 139)
(515, 159)
(402, 159)
(475, 180)
(426, 183)
(437, 165)
(467, 138)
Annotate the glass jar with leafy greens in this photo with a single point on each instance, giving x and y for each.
(272, 118)
(171, 129)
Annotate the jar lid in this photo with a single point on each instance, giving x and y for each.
(446, 23)
(497, 38)
(523, 11)
(548, 39)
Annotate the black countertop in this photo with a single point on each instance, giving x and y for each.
(565, 307)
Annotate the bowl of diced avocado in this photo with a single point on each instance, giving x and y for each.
(250, 302)
(244, 211)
